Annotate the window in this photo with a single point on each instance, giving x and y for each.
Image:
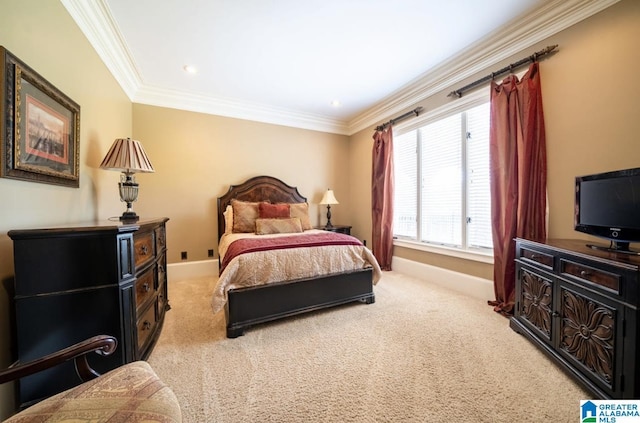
(442, 193)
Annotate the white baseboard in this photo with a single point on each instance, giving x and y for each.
(191, 270)
(471, 285)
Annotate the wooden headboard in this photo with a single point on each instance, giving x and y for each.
(258, 188)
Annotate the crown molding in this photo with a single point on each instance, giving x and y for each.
(95, 21)
(157, 96)
(546, 21)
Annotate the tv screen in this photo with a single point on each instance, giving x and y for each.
(608, 206)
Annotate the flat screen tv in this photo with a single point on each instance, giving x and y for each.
(607, 205)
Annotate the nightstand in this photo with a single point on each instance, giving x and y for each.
(342, 229)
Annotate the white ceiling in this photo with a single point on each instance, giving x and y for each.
(285, 61)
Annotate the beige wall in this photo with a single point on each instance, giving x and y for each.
(43, 35)
(592, 105)
(591, 100)
(197, 156)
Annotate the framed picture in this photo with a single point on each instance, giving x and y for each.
(40, 127)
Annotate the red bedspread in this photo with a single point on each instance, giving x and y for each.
(251, 245)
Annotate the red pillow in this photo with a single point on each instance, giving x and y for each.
(273, 211)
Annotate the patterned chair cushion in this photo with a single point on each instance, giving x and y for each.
(130, 393)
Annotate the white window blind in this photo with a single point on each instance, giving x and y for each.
(442, 192)
(405, 161)
(478, 188)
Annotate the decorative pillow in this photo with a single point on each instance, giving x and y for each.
(228, 219)
(278, 226)
(301, 211)
(273, 211)
(244, 216)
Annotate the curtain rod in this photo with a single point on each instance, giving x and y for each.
(458, 93)
(397, 119)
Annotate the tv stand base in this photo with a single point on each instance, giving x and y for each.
(620, 247)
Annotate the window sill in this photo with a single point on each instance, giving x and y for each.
(483, 257)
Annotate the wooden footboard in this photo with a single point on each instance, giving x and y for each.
(250, 306)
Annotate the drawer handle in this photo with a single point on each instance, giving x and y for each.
(534, 256)
(146, 325)
(584, 274)
(144, 250)
(146, 287)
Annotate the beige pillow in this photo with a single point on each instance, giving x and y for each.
(244, 216)
(228, 219)
(301, 211)
(278, 226)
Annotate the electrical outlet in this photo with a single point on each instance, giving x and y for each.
(210, 253)
(183, 255)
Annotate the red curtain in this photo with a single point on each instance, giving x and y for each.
(382, 197)
(518, 176)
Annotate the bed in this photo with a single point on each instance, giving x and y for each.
(282, 294)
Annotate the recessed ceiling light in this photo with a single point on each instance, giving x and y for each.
(336, 103)
(190, 69)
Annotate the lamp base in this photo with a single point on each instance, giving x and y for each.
(129, 216)
(328, 225)
(128, 194)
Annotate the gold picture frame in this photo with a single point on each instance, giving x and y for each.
(40, 126)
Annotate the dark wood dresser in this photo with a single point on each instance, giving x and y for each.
(580, 306)
(77, 281)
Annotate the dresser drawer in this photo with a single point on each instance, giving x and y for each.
(146, 325)
(144, 250)
(591, 275)
(145, 288)
(543, 259)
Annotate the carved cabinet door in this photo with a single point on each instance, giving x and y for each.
(590, 334)
(534, 305)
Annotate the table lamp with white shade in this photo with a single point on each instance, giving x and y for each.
(329, 198)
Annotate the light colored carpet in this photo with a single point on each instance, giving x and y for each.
(420, 353)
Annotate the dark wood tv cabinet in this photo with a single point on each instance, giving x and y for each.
(78, 281)
(580, 306)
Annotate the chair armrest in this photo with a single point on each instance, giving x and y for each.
(102, 344)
